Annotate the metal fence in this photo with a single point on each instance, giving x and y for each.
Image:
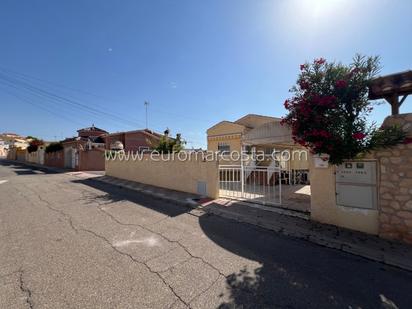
(257, 183)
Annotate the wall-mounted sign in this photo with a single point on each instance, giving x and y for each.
(321, 161)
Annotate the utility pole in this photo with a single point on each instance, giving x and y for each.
(146, 104)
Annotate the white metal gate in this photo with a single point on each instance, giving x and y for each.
(260, 184)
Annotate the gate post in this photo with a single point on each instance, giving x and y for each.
(280, 186)
(242, 179)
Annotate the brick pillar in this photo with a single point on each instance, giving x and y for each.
(395, 185)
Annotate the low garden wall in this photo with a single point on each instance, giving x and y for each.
(21, 155)
(91, 160)
(32, 157)
(11, 154)
(36, 157)
(54, 159)
(324, 208)
(393, 217)
(192, 175)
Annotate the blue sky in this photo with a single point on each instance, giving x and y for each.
(196, 62)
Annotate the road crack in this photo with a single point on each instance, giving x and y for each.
(220, 273)
(25, 290)
(65, 215)
(69, 220)
(136, 261)
(163, 237)
(191, 255)
(207, 289)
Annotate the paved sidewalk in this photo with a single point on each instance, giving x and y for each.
(176, 197)
(56, 170)
(286, 222)
(37, 166)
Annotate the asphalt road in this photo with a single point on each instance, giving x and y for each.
(72, 242)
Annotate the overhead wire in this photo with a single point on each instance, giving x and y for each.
(22, 81)
(31, 77)
(58, 99)
(30, 102)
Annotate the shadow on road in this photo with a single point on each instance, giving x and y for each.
(293, 273)
(115, 194)
(20, 168)
(299, 274)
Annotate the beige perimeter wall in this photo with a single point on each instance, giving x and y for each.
(36, 157)
(176, 175)
(325, 210)
(393, 217)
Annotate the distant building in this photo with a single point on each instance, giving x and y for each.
(11, 135)
(87, 138)
(4, 148)
(78, 150)
(91, 131)
(13, 140)
(258, 133)
(137, 140)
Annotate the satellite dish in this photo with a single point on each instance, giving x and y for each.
(116, 146)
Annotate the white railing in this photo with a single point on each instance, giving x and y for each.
(250, 166)
(255, 183)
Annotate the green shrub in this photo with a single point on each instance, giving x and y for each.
(328, 112)
(54, 147)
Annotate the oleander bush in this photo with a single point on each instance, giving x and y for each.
(328, 112)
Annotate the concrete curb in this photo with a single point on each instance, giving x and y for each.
(130, 185)
(375, 254)
(50, 168)
(275, 209)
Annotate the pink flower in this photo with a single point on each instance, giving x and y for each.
(359, 135)
(355, 70)
(304, 84)
(302, 67)
(407, 140)
(327, 101)
(286, 104)
(319, 133)
(341, 83)
(320, 61)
